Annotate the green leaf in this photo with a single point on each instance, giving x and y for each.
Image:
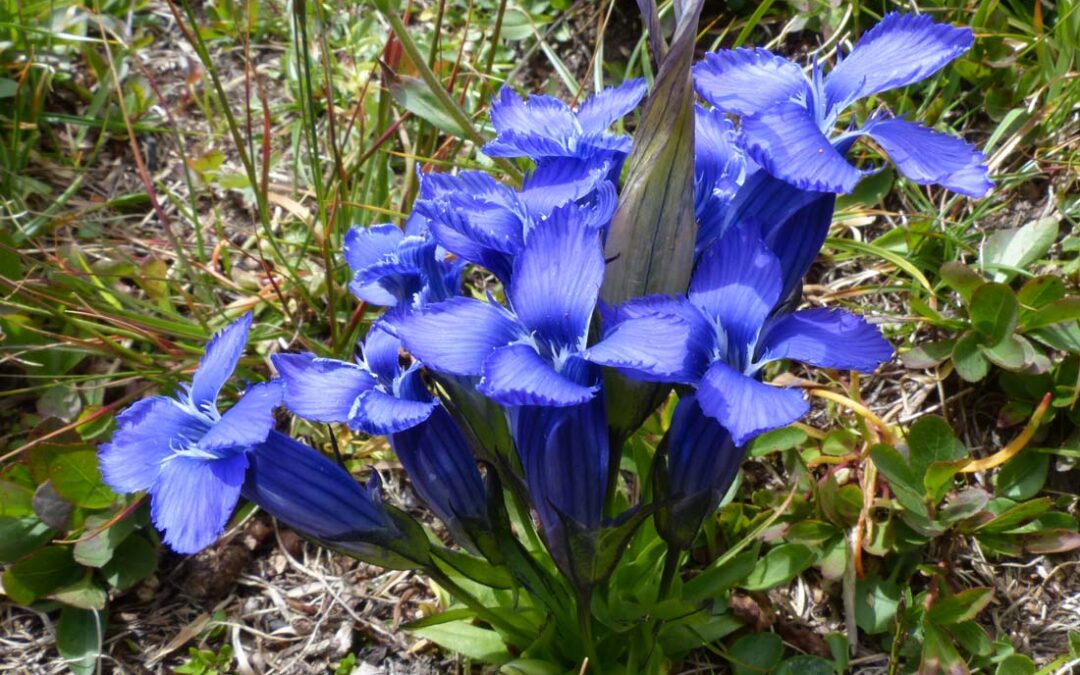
(713, 582)
(963, 606)
(805, 665)
(416, 97)
(964, 505)
(928, 355)
(530, 667)
(938, 654)
(475, 568)
(969, 362)
(78, 638)
(851, 245)
(961, 279)
(471, 641)
(755, 653)
(1023, 476)
(939, 478)
(94, 550)
(53, 509)
(776, 440)
(876, 602)
(779, 566)
(76, 476)
(1007, 252)
(8, 87)
(1008, 354)
(1058, 311)
(994, 312)
(971, 637)
(84, 594)
(905, 485)
(1039, 292)
(1014, 515)
(15, 500)
(132, 561)
(1052, 541)
(1016, 664)
(931, 440)
(19, 536)
(42, 572)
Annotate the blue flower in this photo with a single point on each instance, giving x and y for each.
(485, 222)
(303, 489)
(720, 167)
(735, 332)
(534, 352)
(787, 120)
(543, 127)
(187, 455)
(392, 268)
(377, 396)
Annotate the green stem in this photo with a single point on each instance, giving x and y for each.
(671, 566)
(475, 605)
(446, 101)
(584, 616)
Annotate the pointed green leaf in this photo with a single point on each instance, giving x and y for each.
(963, 606)
(463, 638)
(779, 566)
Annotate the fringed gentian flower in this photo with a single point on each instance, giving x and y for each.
(733, 294)
(392, 268)
(720, 167)
(486, 222)
(533, 353)
(377, 397)
(542, 127)
(787, 121)
(187, 455)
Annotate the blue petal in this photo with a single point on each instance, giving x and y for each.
(902, 49)
(192, 499)
(222, 355)
(365, 246)
(762, 199)
(748, 81)
(827, 339)
(321, 390)
(248, 422)
(382, 352)
(533, 146)
(442, 469)
(517, 375)
(557, 277)
(719, 163)
(145, 435)
(745, 406)
(701, 336)
(701, 454)
(798, 240)
(303, 489)
(786, 141)
(654, 348)
(534, 128)
(559, 181)
(456, 336)
(605, 107)
(737, 282)
(930, 157)
(379, 413)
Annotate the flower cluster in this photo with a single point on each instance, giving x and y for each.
(534, 358)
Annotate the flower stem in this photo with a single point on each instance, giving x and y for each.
(584, 615)
(475, 605)
(671, 566)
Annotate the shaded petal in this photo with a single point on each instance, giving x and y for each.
(701, 454)
(540, 115)
(827, 339)
(561, 180)
(222, 355)
(365, 246)
(797, 241)
(382, 352)
(192, 499)
(655, 348)
(762, 198)
(248, 422)
(146, 433)
(321, 390)
(786, 141)
(930, 157)
(517, 375)
(379, 413)
(719, 163)
(303, 489)
(748, 81)
(456, 336)
(557, 277)
(604, 108)
(737, 282)
(902, 49)
(745, 406)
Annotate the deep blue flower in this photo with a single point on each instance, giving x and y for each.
(302, 488)
(187, 455)
(534, 352)
(377, 396)
(392, 268)
(735, 332)
(720, 167)
(787, 121)
(543, 127)
(486, 222)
